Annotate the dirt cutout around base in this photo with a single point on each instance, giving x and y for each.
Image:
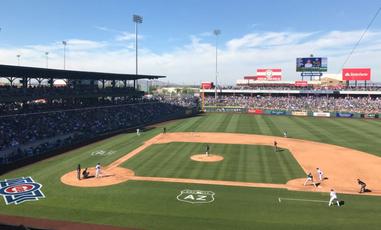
(107, 177)
(341, 165)
(205, 158)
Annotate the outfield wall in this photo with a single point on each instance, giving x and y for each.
(217, 109)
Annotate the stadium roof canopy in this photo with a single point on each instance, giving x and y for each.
(8, 71)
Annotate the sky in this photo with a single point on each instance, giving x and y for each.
(176, 37)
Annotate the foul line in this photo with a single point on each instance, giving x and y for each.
(303, 200)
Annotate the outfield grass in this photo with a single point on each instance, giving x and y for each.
(360, 134)
(248, 163)
(153, 205)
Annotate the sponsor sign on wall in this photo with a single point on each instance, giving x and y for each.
(299, 113)
(255, 111)
(356, 74)
(347, 115)
(321, 114)
(277, 112)
(301, 83)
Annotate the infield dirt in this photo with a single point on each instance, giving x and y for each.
(342, 166)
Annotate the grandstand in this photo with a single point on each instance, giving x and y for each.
(40, 120)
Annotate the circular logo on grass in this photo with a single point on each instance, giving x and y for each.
(19, 189)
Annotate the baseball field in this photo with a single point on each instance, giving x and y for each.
(165, 181)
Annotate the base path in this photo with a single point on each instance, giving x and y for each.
(341, 165)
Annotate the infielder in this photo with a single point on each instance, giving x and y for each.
(333, 197)
(97, 170)
(310, 178)
(362, 185)
(275, 146)
(207, 148)
(320, 174)
(285, 134)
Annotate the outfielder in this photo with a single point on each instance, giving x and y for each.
(310, 178)
(333, 197)
(138, 132)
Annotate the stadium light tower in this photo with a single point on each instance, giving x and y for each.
(216, 33)
(64, 43)
(18, 59)
(137, 20)
(47, 59)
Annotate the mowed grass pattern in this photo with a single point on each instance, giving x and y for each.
(361, 134)
(248, 163)
(153, 205)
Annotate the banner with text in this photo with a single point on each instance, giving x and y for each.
(356, 74)
(299, 113)
(321, 114)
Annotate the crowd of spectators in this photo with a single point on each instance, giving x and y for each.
(43, 127)
(300, 103)
(301, 88)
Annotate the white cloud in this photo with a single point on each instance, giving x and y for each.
(195, 62)
(126, 36)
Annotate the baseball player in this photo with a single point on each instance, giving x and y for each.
(310, 178)
(320, 174)
(285, 134)
(207, 148)
(333, 197)
(164, 130)
(79, 172)
(275, 146)
(362, 185)
(97, 170)
(138, 132)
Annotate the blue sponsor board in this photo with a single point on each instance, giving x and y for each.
(312, 74)
(277, 112)
(347, 115)
(19, 190)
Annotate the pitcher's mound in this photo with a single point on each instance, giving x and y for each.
(204, 158)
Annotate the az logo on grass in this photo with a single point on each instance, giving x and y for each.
(196, 196)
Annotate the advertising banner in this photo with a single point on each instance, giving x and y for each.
(299, 113)
(225, 110)
(255, 111)
(371, 115)
(356, 74)
(301, 83)
(206, 85)
(269, 74)
(347, 115)
(311, 64)
(321, 114)
(277, 112)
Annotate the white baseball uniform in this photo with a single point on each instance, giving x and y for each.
(97, 170)
(333, 197)
(320, 174)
